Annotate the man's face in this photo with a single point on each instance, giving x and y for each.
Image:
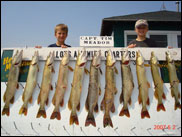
(141, 30)
(61, 35)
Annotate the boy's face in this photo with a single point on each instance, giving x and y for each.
(61, 35)
(141, 30)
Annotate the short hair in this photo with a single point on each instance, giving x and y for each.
(62, 27)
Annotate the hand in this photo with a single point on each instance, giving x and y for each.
(38, 46)
(131, 45)
(63, 46)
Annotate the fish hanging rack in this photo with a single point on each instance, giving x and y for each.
(117, 52)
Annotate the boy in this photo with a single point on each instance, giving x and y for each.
(141, 28)
(61, 33)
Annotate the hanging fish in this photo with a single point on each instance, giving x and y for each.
(12, 84)
(174, 82)
(30, 83)
(127, 84)
(94, 89)
(110, 89)
(61, 86)
(46, 85)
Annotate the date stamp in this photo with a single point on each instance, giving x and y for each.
(162, 127)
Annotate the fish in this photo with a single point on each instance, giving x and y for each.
(46, 85)
(12, 84)
(107, 103)
(76, 86)
(30, 83)
(143, 85)
(158, 82)
(61, 86)
(173, 79)
(127, 84)
(94, 89)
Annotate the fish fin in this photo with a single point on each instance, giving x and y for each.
(178, 95)
(155, 94)
(113, 108)
(148, 84)
(116, 70)
(107, 121)
(100, 90)
(145, 114)
(96, 109)
(78, 107)
(177, 105)
(53, 70)
(17, 86)
(86, 105)
(90, 120)
(69, 105)
(30, 100)
(38, 101)
(4, 97)
(62, 102)
(139, 99)
(47, 101)
(41, 113)
(51, 87)
(124, 112)
(129, 101)
(74, 118)
(23, 110)
(70, 68)
(23, 96)
(12, 100)
(148, 101)
(121, 97)
(86, 71)
(172, 93)
(53, 100)
(116, 91)
(56, 115)
(100, 71)
(5, 111)
(102, 105)
(160, 107)
(164, 96)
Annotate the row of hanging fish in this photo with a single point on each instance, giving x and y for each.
(94, 88)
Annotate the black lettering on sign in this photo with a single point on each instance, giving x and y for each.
(61, 54)
(106, 52)
(133, 54)
(129, 52)
(117, 54)
(85, 42)
(57, 54)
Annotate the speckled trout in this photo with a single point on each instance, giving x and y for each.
(127, 84)
(158, 82)
(94, 89)
(12, 84)
(143, 85)
(110, 89)
(174, 82)
(46, 85)
(61, 86)
(74, 100)
(30, 83)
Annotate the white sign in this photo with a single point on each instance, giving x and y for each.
(96, 41)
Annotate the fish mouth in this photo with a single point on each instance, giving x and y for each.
(82, 64)
(17, 63)
(50, 64)
(126, 62)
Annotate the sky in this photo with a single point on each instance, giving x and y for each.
(32, 23)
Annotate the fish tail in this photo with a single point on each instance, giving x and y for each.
(177, 105)
(160, 107)
(23, 110)
(145, 113)
(107, 121)
(5, 111)
(41, 112)
(56, 114)
(125, 112)
(90, 120)
(73, 118)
